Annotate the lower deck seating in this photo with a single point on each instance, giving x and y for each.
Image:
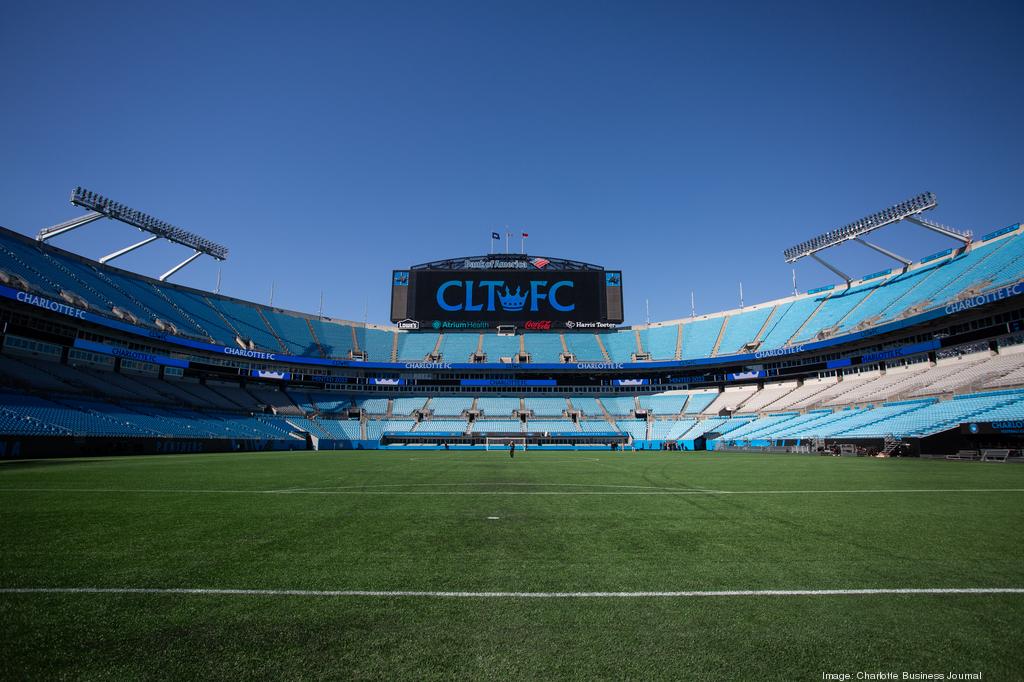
(913, 397)
(497, 426)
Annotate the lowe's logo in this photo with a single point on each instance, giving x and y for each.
(468, 295)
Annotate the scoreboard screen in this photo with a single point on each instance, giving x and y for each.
(537, 297)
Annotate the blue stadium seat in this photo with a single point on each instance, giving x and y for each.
(742, 328)
(586, 405)
(637, 428)
(497, 426)
(294, 331)
(618, 405)
(449, 406)
(664, 404)
(699, 337)
(377, 343)
(584, 346)
(543, 347)
(457, 347)
(496, 347)
(621, 345)
(416, 346)
(493, 406)
(838, 304)
(660, 342)
(406, 406)
(335, 338)
(546, 407)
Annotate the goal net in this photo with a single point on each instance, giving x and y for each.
(502, 442)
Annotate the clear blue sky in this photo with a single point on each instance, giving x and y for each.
(326, 145)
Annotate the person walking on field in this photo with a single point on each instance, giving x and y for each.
(512, 450)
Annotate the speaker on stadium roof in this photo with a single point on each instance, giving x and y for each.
(400, 303)
(613, 298)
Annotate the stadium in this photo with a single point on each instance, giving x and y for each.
(506, 481)
(919, 359)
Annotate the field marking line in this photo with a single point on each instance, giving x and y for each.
(511, 595)
(491, 460)
(666, 491)
(492, 483)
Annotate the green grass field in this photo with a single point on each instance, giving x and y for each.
(566, 522)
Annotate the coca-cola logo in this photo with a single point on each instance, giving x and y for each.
(538, 325)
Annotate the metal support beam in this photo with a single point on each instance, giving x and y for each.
(128, 249)
(180, 265)
(883, 251)
(831, 267)
(962, 237)
(67, 226)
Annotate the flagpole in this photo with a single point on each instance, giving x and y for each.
(507, 235)
(522, 243)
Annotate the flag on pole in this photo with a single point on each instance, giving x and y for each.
(525, 235)
(495, 235)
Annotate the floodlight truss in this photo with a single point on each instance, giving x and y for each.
(102, 207)
(906, 210)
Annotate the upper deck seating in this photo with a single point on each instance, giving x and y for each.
(621, 345)
(377, 344)
(584, 346)
(544, 347)
(415, 347)
(457, 347)
(742, 328)
(660, 342)
(699, 337)
(497, 347)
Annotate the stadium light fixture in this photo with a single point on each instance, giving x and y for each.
(908, 209)
(102, 207)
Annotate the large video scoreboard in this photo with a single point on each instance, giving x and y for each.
(528, 292)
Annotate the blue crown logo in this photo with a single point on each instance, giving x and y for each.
(512, 302)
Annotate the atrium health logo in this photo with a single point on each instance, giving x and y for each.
(436, 324)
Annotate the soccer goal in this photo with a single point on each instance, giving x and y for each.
(502, 442)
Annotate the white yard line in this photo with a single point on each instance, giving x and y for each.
(491, 459)
(510, 595)
(664, 491)
(367, 486)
